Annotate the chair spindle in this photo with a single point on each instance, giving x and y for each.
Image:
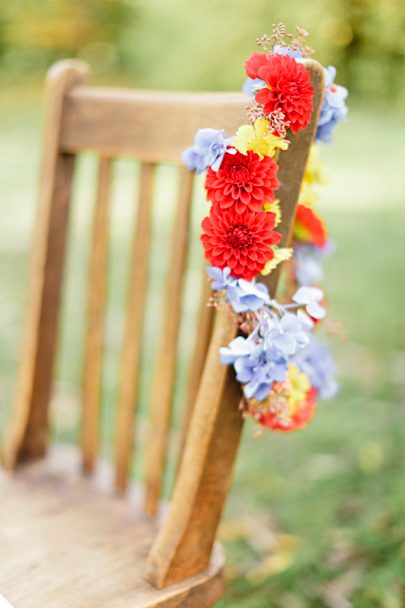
(96, 299)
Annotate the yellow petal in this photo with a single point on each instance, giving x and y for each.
(259, 139)
(244, 135)
(275, 208)
(281, 254)
(315, 169)
(299, 386)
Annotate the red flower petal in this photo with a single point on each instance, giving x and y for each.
(256, 61)
(243, 241)
(245, 179)
(288, 90)
(308, 222)
(300, 418)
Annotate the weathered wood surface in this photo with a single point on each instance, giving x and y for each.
(66, 541)
(131, 352)
(184, 542)
(204, 332)
(96, 300)
(28, 436)
(164, 373)
(154, 128)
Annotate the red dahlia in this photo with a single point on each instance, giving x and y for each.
(242, 241)
(303, 414)
(243, 181)
(288, 87)
(309, 227)
(255, 62)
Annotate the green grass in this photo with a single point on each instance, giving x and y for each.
(316, 518)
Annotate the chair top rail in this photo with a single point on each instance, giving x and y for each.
(150, 126)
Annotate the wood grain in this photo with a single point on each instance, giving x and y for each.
(202, 341)
(185, 540)
(68, 541)
(96, 300)
(164, 375)
(131, 352)
(151, 126)
(28, 435)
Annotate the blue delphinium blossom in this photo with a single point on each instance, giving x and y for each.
(286, 334)
(247, 296)
(308, 262)
(239, 347)
(279, 338)
(257, 373)
(334, 108)
(242, 295)
(310, 297)
(317, 362)
(208, 150)
(256, 366)
(220, 278)
(263, 357)
(252, 85)
(286, 50)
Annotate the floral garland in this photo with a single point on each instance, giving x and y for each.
(283, 369)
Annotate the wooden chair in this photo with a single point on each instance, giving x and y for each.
(67, 539)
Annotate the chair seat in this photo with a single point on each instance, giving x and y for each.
(67, 541)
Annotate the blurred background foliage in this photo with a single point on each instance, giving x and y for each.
(148, 38)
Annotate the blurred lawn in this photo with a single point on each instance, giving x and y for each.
(315, 518)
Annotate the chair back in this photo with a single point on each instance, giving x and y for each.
(150, 128)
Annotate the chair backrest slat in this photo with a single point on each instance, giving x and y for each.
(164, 373)
(201, 344)
(132, 345)
(96, 298)
(151, 126)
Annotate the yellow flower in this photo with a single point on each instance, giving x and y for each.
(259, 139)
(275, 208)
(308, 195)
(299, 386)
(281, 254)
(315, 169)
(301, 233)
(314, 175)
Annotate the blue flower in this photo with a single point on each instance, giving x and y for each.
(221, 278)
(239, 347)
(316, 361)
(310, 297)
(208, 150)
(247, 296)
(286, 335)
(252, 85)
(308, 262)
(242, 295)
(256, 368)
(334, 108)
(286, 50)
(262, 376)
